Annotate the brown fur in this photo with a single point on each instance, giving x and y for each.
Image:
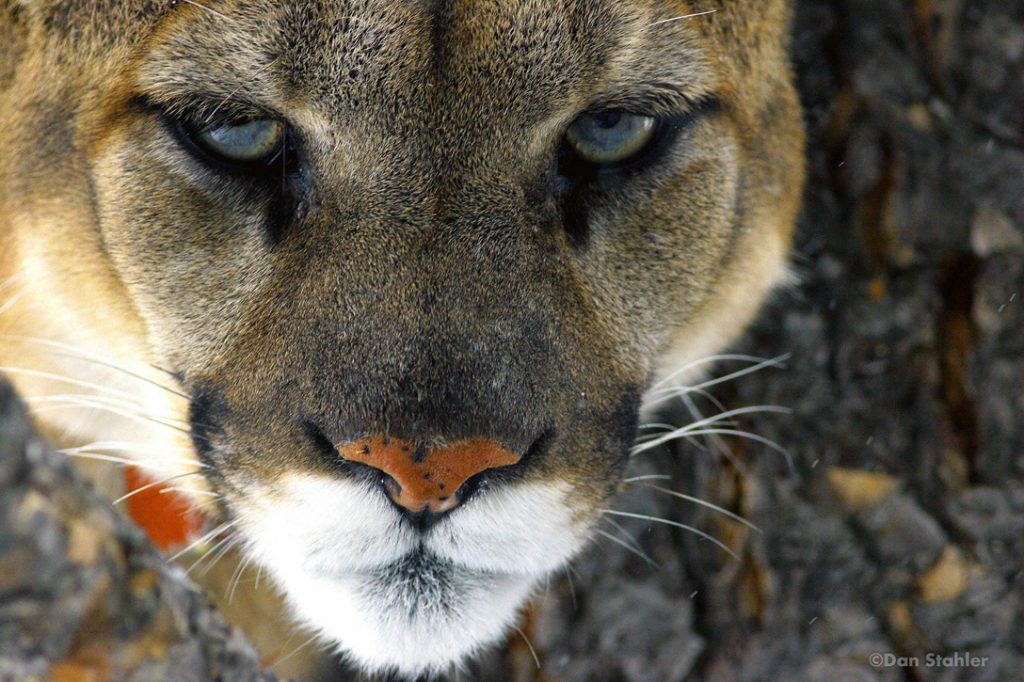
(424, 285)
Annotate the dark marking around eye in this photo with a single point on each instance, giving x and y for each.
(576, 216)
(579, 183)
(280, 183)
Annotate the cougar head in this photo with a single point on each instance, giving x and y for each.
(412, 265)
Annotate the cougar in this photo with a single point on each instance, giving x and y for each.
(382, 284)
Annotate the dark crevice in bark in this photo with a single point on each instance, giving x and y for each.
(956, 337)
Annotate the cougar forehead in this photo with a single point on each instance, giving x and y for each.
(423, 272)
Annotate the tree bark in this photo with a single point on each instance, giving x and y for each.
(83, 595)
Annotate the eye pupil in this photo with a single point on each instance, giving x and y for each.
(607, 119)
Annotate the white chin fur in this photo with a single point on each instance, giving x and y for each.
(394, 600)
(386, 627)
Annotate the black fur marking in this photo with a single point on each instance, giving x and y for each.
(440, 18)
(206, 413)
(282, 178)
(420, 454)
(578, 181)
(625, 422)
(322, 442)
(418, 585)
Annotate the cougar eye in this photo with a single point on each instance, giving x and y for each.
(610, 137)
(246, 142)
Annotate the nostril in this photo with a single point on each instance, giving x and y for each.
(507, 474)
(438, 504)
(431, 480)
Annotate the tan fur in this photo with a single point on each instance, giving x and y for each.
(424, 284)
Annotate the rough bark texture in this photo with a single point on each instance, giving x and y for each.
(896, 526)
(83, 595)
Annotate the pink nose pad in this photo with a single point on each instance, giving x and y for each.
(427, 478)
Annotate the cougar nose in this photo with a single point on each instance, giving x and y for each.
(423, 478)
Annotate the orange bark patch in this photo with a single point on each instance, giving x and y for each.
(166, 516)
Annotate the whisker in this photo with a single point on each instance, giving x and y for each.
(572, 588)
(236, 577)
(703, 503)
(674, 524)
(154, 484)
(687, 399)
(67, 380)
(205, 538)
(693, 427)
(663, 394)
(777, 362)
(117, 460)
(13, 279)
(151, 466)
(207, 9)
(94, 401)
(226, 547)
(626, 546)
(529, 644)
(121, 413)
(163, 464)
(700, 419)
(295, 651)
(709, 360)
(122, 446)
(210, 553)
(716, 441)
(629, 536)
(630, 539)
(649, 477)
(685, 16)
(259, 72)
(173, 375)
(191, 491)
(259, 574)
(83, 354)
(657, 425)
(691, 406)
(748, 436)
(12, 301)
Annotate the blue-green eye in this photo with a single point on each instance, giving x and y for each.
(610, 137)
(247, 142)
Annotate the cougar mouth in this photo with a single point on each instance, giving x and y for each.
(393, 596)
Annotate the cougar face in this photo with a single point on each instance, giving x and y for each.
(412, 266)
